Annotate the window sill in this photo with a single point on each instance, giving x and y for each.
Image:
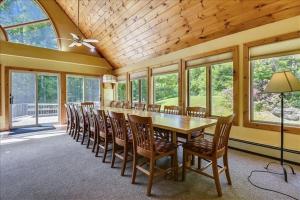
(272, 127)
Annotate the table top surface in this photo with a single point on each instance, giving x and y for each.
(177, 123)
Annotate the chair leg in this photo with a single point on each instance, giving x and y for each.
(216, 177)
(77, 134)
(183, 165)
(83, 136)
(94, 145)
(88, 143)
(225, 161)
(134, 170)
(175, 165)
(113, 155)
(150, 181)
(105, 150)
(124, 160)
(199, 162)
(97, 150)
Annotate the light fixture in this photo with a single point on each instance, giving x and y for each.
(282, 82)
(108, 78)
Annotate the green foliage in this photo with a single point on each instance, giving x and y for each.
(135, 90)
(144, 90)
(121, 91)
(47, 89)
(165, 86)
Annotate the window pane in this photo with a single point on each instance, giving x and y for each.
(144, 90)
(92, 90)
(222, 89)
(14, 12)
(197, 87)
(266, 107)
(74, 89)
(135, 90)
(166, 89)
(38, 34)
(121, 91)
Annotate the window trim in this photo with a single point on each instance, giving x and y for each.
(247, 122)
(235, 62)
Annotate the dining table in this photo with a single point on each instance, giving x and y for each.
(182, 124)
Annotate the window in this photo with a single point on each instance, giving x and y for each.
(26, 23)
(197, 86)
(139, 87)
(83, 89)
(265, 107)
(211, 82)
(165, 85)
(263, 58)
(121, 91)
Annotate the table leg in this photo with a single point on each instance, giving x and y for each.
(189, 157)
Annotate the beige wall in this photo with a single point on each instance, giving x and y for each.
(292, 141)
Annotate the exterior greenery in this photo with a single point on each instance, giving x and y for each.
(265, 106)
(135, 90)
(16, 12)
(81, 89)
(121, 91)
(166, 89)
(139, 87)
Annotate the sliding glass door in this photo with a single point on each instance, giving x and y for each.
(34, 98)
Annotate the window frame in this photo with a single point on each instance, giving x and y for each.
(208, 66)
(47, 19)
(164, 73)
(139, 89)
(247, 121)
(83, 77)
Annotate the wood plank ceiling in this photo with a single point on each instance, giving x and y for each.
(133, 30)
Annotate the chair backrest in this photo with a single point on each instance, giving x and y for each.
(222, 131)
(153, 107)
(119, 126)
(139, 106)
(126, 105)
(196, 112)
(143, 136)
(87, 104)
(76, 114)
(90, 119)
(174, 110)
(83, 116)
(119, 104)
(69, 114)
(100, 122)
(112, 104)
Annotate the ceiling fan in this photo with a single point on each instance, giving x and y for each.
(77, 40)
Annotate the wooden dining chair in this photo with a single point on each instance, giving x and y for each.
(119, 104)
(196, 112)
(126, 105)
(103, 131)
(83, 124)
(173, 110)
(69, 119)
(75, 121)
(122, 139)
(139, 106)
(211, 150)
(144, 145)
(112, 104)
(153, 107)
(92, 134)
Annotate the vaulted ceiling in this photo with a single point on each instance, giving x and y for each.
(133, 30)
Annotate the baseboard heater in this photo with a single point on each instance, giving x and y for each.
(290, 156)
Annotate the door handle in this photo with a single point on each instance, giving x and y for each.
(11, 99)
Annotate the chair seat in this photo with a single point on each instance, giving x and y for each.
(162, 146)
(198, 134)
(200, 146)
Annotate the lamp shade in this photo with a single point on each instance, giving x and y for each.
(283, 82)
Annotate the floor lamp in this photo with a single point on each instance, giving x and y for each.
(282, 82)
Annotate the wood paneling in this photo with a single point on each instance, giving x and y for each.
(131, 30)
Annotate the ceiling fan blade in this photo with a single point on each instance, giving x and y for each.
(72, 44)
(64, 39)
(88, 45)
(91, 40)
(74, 36)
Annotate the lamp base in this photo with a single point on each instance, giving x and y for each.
(283, 166)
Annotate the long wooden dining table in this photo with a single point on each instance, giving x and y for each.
(174, 123)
